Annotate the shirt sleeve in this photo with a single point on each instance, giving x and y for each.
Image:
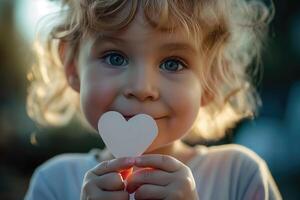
(233, 172)
(257, 182)
(39, 188)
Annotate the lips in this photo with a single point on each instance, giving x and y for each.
(127, 117)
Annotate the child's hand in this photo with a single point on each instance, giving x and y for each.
(165, 178)
(105, 181)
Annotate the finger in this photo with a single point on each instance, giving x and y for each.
(115, 165)
(110, 182)
(147, 176)
(149, 191)
(117, 195)
(158, 161)
(90, 190)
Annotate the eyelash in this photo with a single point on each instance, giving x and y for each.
(170, 58)
(110, 53)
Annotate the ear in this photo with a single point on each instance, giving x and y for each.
(70, 66)
(207, 98)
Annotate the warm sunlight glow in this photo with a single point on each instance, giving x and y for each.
(29, 12)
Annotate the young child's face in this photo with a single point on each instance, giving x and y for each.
(142, 70)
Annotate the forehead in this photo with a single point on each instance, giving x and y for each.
(155, 15)
(140, 31)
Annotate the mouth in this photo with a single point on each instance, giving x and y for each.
(127, 117)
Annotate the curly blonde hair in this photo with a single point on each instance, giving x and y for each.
(230, 34)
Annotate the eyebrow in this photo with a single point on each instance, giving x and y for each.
(172, 46)
(178, 46)
(103, 38)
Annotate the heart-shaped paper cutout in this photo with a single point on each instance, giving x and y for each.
(127, 138)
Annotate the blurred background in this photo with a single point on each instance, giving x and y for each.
(274, 135)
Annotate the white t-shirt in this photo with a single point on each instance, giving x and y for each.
(223, 172)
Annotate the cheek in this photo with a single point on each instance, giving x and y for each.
(96, 95)
(185, 101)
(188, 105)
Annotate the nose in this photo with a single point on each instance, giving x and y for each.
(142, 85)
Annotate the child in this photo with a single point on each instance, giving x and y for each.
(184, 63)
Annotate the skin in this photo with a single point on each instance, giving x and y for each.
(141, 75)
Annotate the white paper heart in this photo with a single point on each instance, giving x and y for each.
(127, 138)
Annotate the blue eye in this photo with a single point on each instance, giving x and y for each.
(115, 59)
(172, 65)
